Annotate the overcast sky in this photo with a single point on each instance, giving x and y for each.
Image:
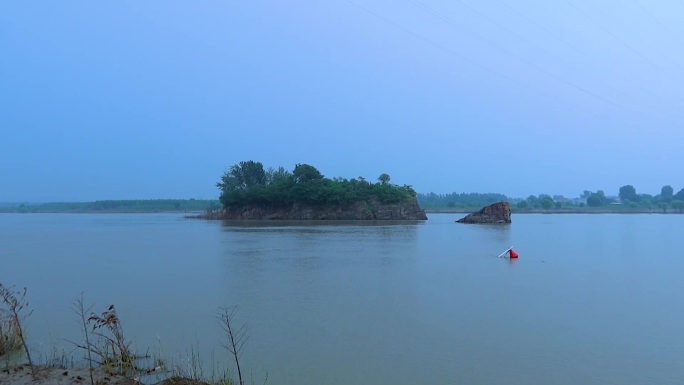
(155, 99)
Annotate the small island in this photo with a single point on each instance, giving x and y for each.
(249, 192)
(495, 213)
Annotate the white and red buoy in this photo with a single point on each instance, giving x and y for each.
(511, 253)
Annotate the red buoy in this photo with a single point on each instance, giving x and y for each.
(512, 253)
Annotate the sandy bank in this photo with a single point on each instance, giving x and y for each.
(58, 376)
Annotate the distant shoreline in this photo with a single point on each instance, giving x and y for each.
(103, 212)
(427, 211)
(201, 206)
(561, 211)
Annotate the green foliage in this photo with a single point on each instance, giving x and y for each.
(305, 184)
(242, 176)
(546, 202)
(628, 193)
(595, 200)
(522, 204)
(678, 205)
(304, 173)
(666, 193)
(384, 179)
(645, 199)
(679, 195)
(277, 176)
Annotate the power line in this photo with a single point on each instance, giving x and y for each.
(530, 20)
(489, 41)
(502, 27)
(625, 43)
(482, 15)
(661, 26)
(490, 70)
(559, 38)
(456, 54)
(388, 21)
(657, 21)
(612, 35)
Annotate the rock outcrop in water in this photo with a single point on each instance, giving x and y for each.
(361, 210)
(495, 213)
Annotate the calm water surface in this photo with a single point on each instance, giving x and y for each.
(594, 299)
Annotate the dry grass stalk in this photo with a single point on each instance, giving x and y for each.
(80, 310)
(236, 337)
(115, 350)
(15, 301)
(9, 333)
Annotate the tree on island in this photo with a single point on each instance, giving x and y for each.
(246, 183)
(242, 176)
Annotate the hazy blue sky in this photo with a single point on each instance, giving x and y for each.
(155, 99)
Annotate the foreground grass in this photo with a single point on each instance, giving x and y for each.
(108, 353)
(10, 340)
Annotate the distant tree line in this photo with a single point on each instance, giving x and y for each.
(133, 205)
(627, 199)
(543, 201)
(458, 200)
(248, 183)
(666, 199)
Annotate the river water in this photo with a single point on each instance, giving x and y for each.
(593, 299)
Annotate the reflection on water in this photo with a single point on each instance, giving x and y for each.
(592, 299)
(301, 244)
(312, 225)
(498, 233)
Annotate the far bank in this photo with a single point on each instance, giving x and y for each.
(560, 211)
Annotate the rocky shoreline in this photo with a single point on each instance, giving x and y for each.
(362, 210)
